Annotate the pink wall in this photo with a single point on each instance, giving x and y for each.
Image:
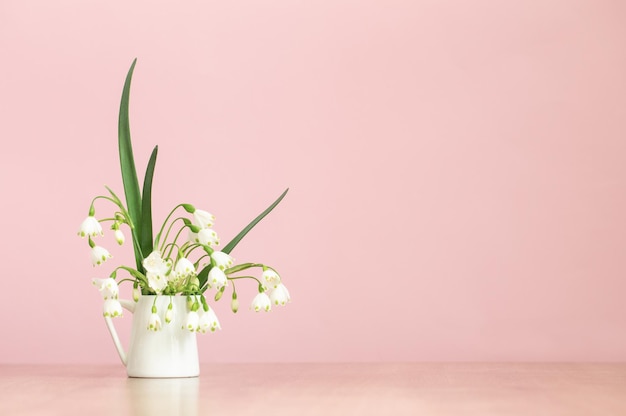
(457, 170)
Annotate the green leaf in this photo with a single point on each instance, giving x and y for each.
(127, 163)
(230, 246)
(146, 205)
(203, 276)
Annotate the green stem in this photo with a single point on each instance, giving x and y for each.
(241, 267)
(245, 277)
(167, 234)
(171, 247)
(116, 202)
(191, 248)
(134, 273)
(176, 238)
(198, 261)
(158, 237)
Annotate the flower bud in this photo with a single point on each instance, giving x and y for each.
(136, 294)
(234, 304)
(119, 237)
(169, 314)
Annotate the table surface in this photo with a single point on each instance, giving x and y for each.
(321, 389)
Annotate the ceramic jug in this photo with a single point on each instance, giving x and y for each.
(170, 352)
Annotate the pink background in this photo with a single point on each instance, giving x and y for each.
(457, 170)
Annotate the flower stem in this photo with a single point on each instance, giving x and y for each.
(167, 234)
(244, 277)
(241, 267)
(158, 237)
(176, 238)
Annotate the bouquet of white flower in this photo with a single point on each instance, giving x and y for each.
(181, 259)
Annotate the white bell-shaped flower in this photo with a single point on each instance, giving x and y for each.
(184, 267)
(99, 255)
(280, 295)
(191, 323)
(208, 236)
(261, 302)
(222, 260)
(203, 219)
(157, 282)
(208, 322)
(112, 308)
(155, 263)
(217, 278)
(108, 287)
(156, 271)
(90, 227)
(154, 324)
(271, 277)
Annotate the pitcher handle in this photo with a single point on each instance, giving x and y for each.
(129, 305)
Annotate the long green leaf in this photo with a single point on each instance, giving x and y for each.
(203, 276)
(127, 163)
(146, 205)
(230, 246)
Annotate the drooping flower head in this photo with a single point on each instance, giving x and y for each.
(270, 276)
(217, 278)
(154, 324)
(184, 267)
(208, 322)
(112, 308)
(261, 302)
(108, 287)
(191, 323)
(280, 295)
(208, 237)
(99, 255)
(157, 270)
(90, 227)
(203, 219)
(222, 260)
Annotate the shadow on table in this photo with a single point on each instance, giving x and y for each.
(163, 396)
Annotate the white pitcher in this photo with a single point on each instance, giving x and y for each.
(170, 352)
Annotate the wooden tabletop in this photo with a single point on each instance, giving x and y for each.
(320, 389)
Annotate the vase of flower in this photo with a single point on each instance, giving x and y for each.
(161, 344)
(177, 271)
